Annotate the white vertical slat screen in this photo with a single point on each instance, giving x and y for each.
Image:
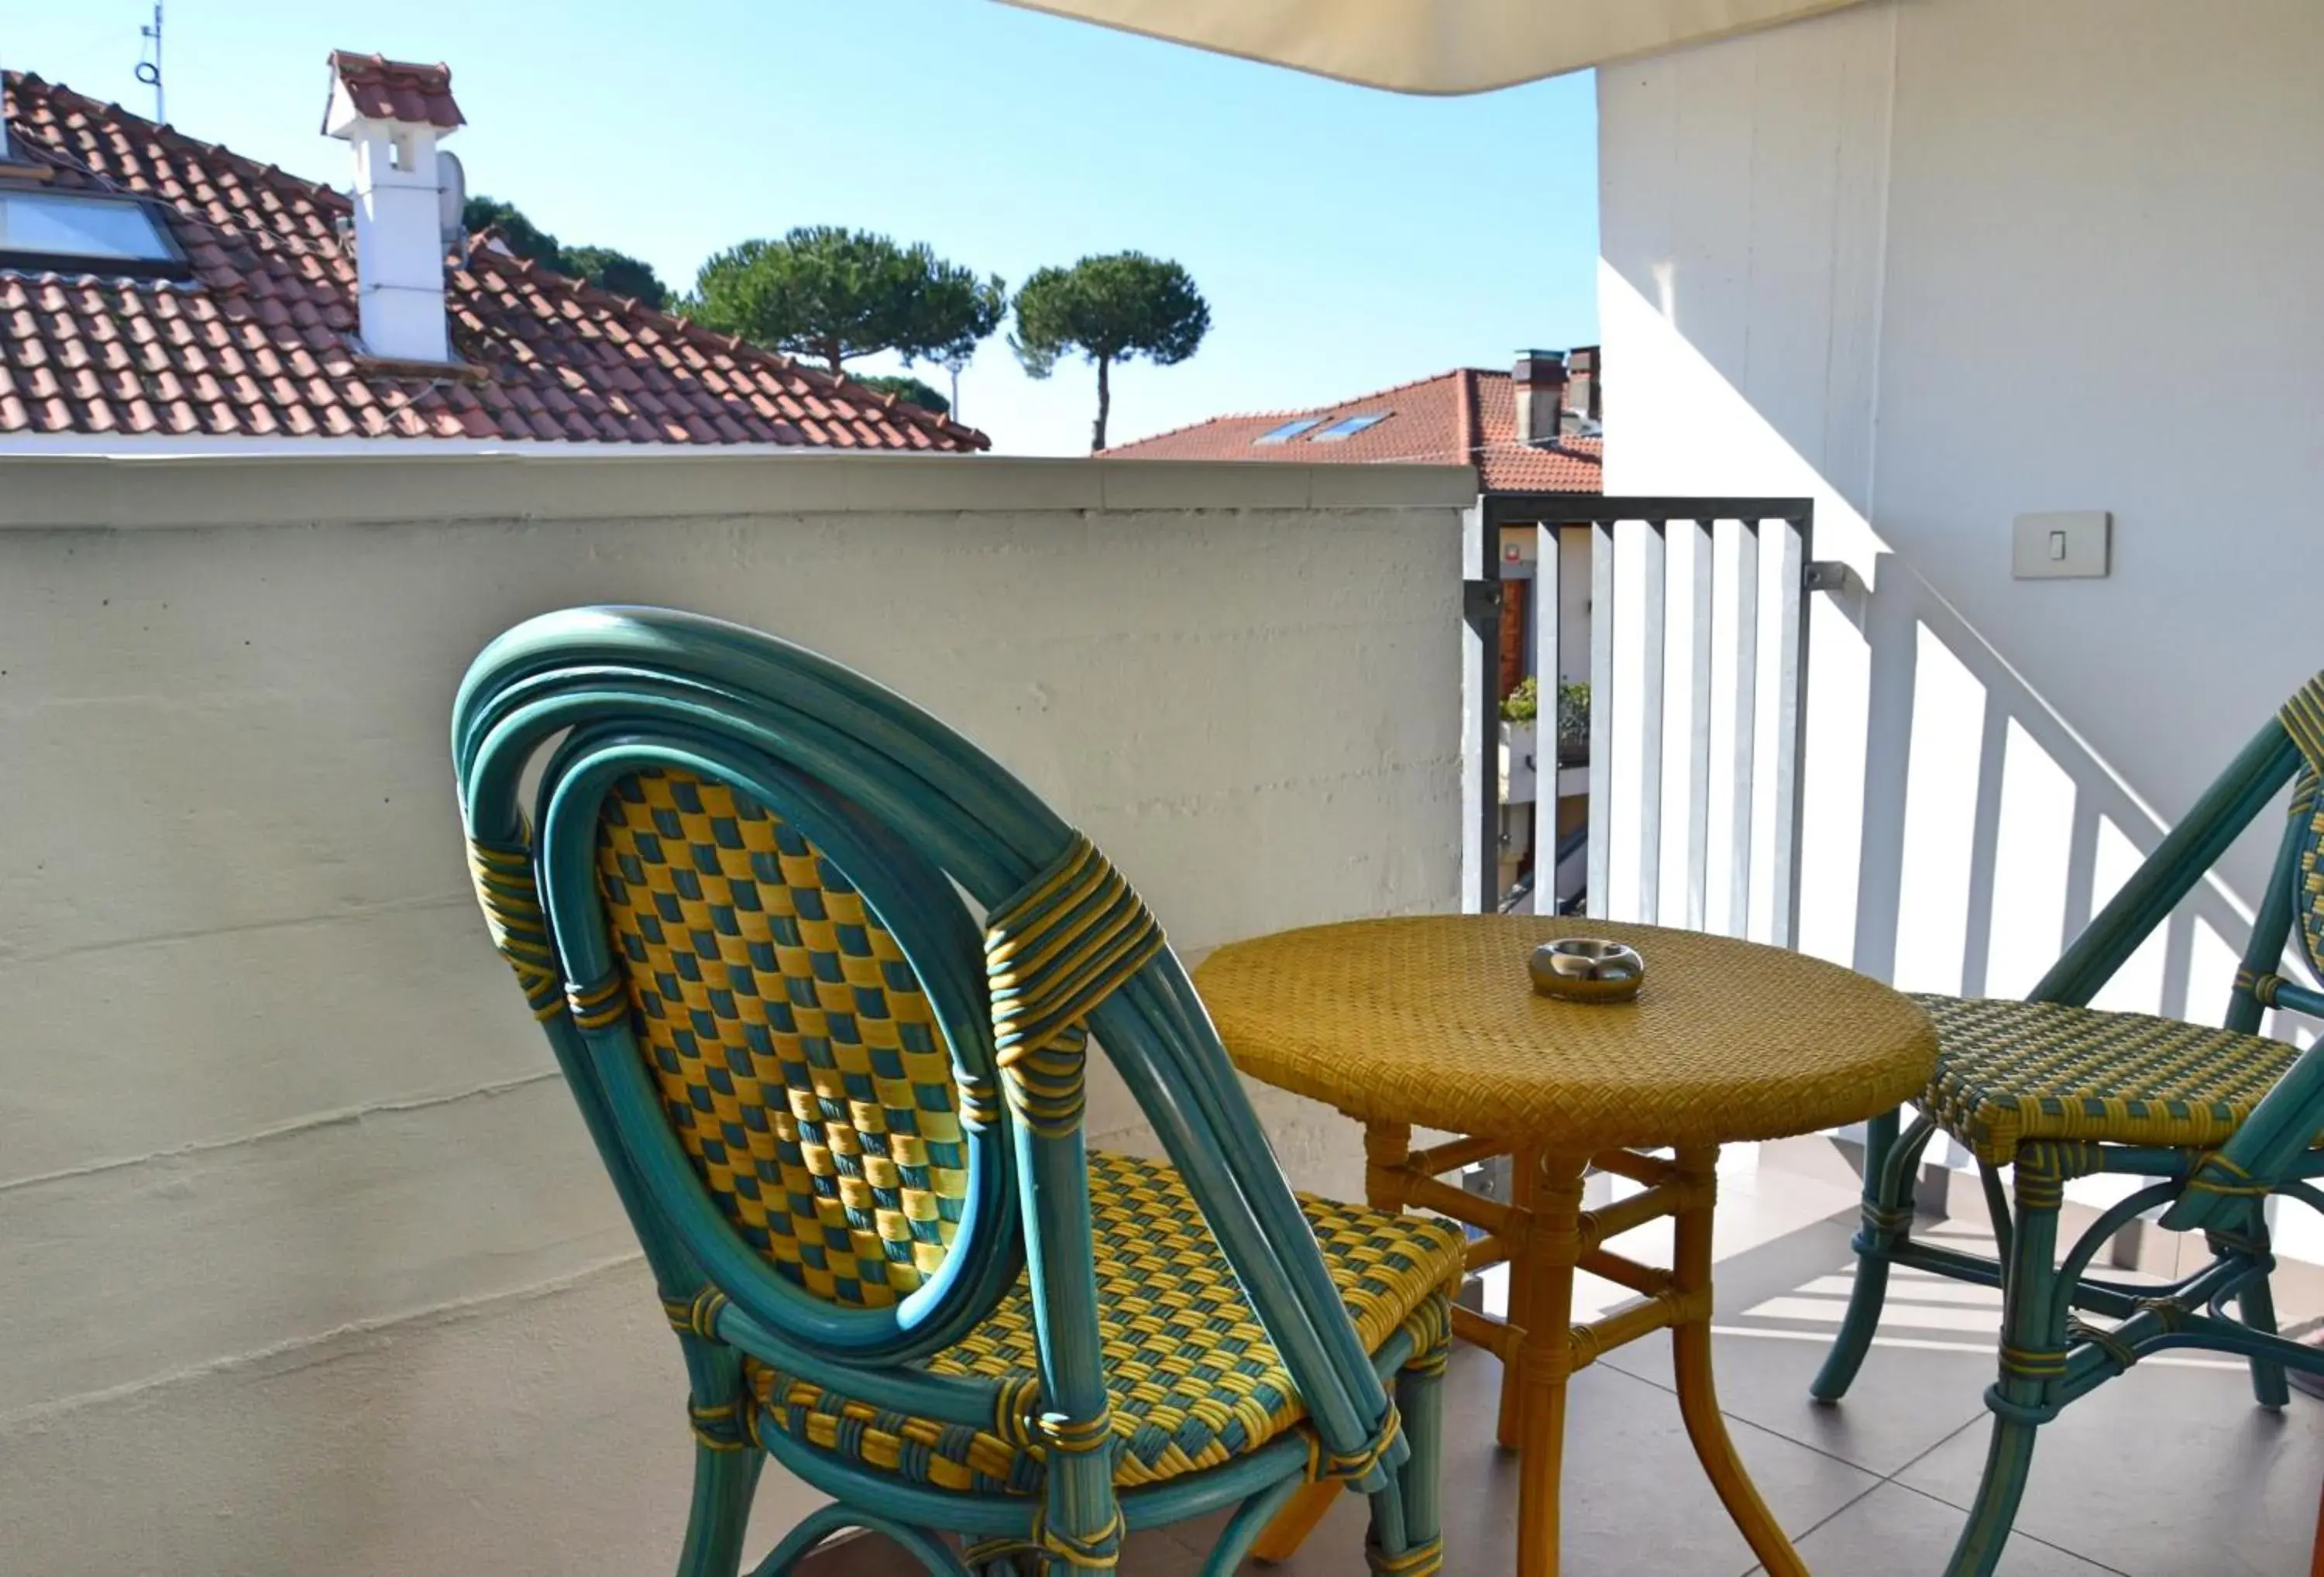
(1697, 648)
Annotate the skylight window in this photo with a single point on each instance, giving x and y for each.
(1287, 431)
(61, 229)
(1346, 428)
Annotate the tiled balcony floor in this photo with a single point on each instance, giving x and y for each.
(2169, 1471)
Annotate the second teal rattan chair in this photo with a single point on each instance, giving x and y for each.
(2221, 1119)
(740, 887)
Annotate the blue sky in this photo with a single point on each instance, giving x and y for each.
(1346, 239)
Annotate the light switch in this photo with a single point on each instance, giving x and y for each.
(2062, 544)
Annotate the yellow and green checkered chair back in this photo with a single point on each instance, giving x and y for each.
(799, 1059)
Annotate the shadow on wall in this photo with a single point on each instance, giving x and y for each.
(1956, 830)
(1992, 833)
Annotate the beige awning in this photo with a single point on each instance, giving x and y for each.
(1436, 46)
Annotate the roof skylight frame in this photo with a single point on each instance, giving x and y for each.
(156, 256)
(1287, 431)
(1348, 426)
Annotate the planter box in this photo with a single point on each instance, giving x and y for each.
(1519, 768)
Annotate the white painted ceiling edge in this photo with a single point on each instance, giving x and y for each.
(1436, 46)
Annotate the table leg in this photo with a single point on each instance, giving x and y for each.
(1525, 1169)
(1388, 1149)
(1698, 1399)
(1545, 1358)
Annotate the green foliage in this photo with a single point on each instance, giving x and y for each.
(1110, 309)
(910, 390)
(1574, 711)
(1523, 705)
(602, 267)
(617, 272)
(525, 238)
(833, 294)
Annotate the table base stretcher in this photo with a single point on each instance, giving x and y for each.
(1543, 1235)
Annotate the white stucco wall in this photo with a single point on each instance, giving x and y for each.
(306, 1263)
(1940, 261)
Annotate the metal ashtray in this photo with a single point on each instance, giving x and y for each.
(1587, 969)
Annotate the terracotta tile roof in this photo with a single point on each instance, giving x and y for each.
(259, 340)
(1465, 416)
(397, 90)
(1571, 464)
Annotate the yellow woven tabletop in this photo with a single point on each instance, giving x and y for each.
(1433, 1021)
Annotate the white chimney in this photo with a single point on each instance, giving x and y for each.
(393, 113)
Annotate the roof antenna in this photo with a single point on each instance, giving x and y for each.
(149, 72)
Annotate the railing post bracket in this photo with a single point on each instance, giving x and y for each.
(1832, 575)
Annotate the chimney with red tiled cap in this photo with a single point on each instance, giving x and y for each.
(1540, 379)
(394, 114)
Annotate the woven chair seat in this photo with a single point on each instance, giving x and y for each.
(2010, 1072)
(1195, 1381)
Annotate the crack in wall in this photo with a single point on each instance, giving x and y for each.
(300, 1125)
(304, 1352)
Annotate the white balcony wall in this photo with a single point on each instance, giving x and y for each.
(306, 1263)
(1940, 262)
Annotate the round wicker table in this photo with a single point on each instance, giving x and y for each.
(1433, 1022)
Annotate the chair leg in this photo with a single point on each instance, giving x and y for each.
(726, 1462)
(2008, 1456)
(1408, 1541)
(1887, 1217)
(1252, 1521)
(2032, 1356)
(1420, 1399)
(724, 1478)
(2256, 1303)
(1406, 1537)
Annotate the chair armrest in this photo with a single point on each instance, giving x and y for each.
(2191, 848)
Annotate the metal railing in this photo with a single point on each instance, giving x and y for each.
(1708, 839)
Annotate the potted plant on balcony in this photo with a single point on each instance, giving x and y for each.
(1572, 723)
(1520, 714)
(1520, 731)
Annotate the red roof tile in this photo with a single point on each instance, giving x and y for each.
(397, 90)
(1465, 416)
(259, 340)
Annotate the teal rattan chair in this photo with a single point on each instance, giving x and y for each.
(2221, 1119)
(845, 1115)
